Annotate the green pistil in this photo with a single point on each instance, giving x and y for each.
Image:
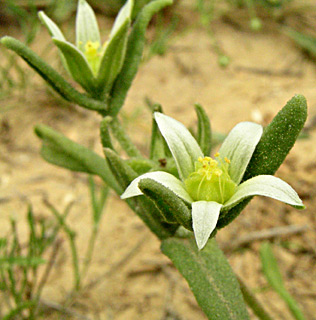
(210, 181)
(93, 54)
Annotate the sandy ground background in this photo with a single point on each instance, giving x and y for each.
(266, 70)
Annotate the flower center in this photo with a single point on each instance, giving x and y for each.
(93, 54)
(211, 181)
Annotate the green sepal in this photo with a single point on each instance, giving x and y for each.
(61, 151)
(105, 134)
(157, 143)
(277, 140)
(112, 60)
(134, 51)
(52, 77)
(78, 66)
(143, 207)
(140, 166)
(204, 134)
(120, 169)
(209, 276)
(159, 149)
(173, 209)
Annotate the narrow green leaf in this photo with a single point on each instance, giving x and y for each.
(173, 209)
(277, 140)
(78, 66)
(61, 151)
(86, 25)
(135, 46)
(204, 134)
(112, 59)
(209, 276)
(51, 76)
(274, 277)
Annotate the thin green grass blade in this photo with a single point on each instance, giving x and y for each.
(273, 275)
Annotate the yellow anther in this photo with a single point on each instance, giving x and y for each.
(91, 48)
(227, 160)
(216, 154)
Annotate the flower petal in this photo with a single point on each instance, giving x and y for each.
(124, 15)
(164, 178)
(86, 25)
(239, 146)
(204, 217)
(184, 148)
(55, 32)
(268, 186)
(51, 26)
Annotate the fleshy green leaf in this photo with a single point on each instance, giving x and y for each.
(113, 58)
(77, 65)
(86, 25)
(239, 146)
(51, 76)
(277, 140)
(209, 276)
(204, 134)
(184, 148)
(164, 178)
(204, 217)
(268, 186)
(125, 15)
(63, 152)
(134, 52)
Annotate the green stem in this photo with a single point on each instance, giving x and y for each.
(252, 301)
(124, 139)
(52, 77)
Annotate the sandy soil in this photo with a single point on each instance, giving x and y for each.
(265, 72)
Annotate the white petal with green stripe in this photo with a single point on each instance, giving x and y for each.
(268, 186)
(166, 179)
(204, 219)
(124, 15)
(86, 26)
(184, 148)
(239, 146)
